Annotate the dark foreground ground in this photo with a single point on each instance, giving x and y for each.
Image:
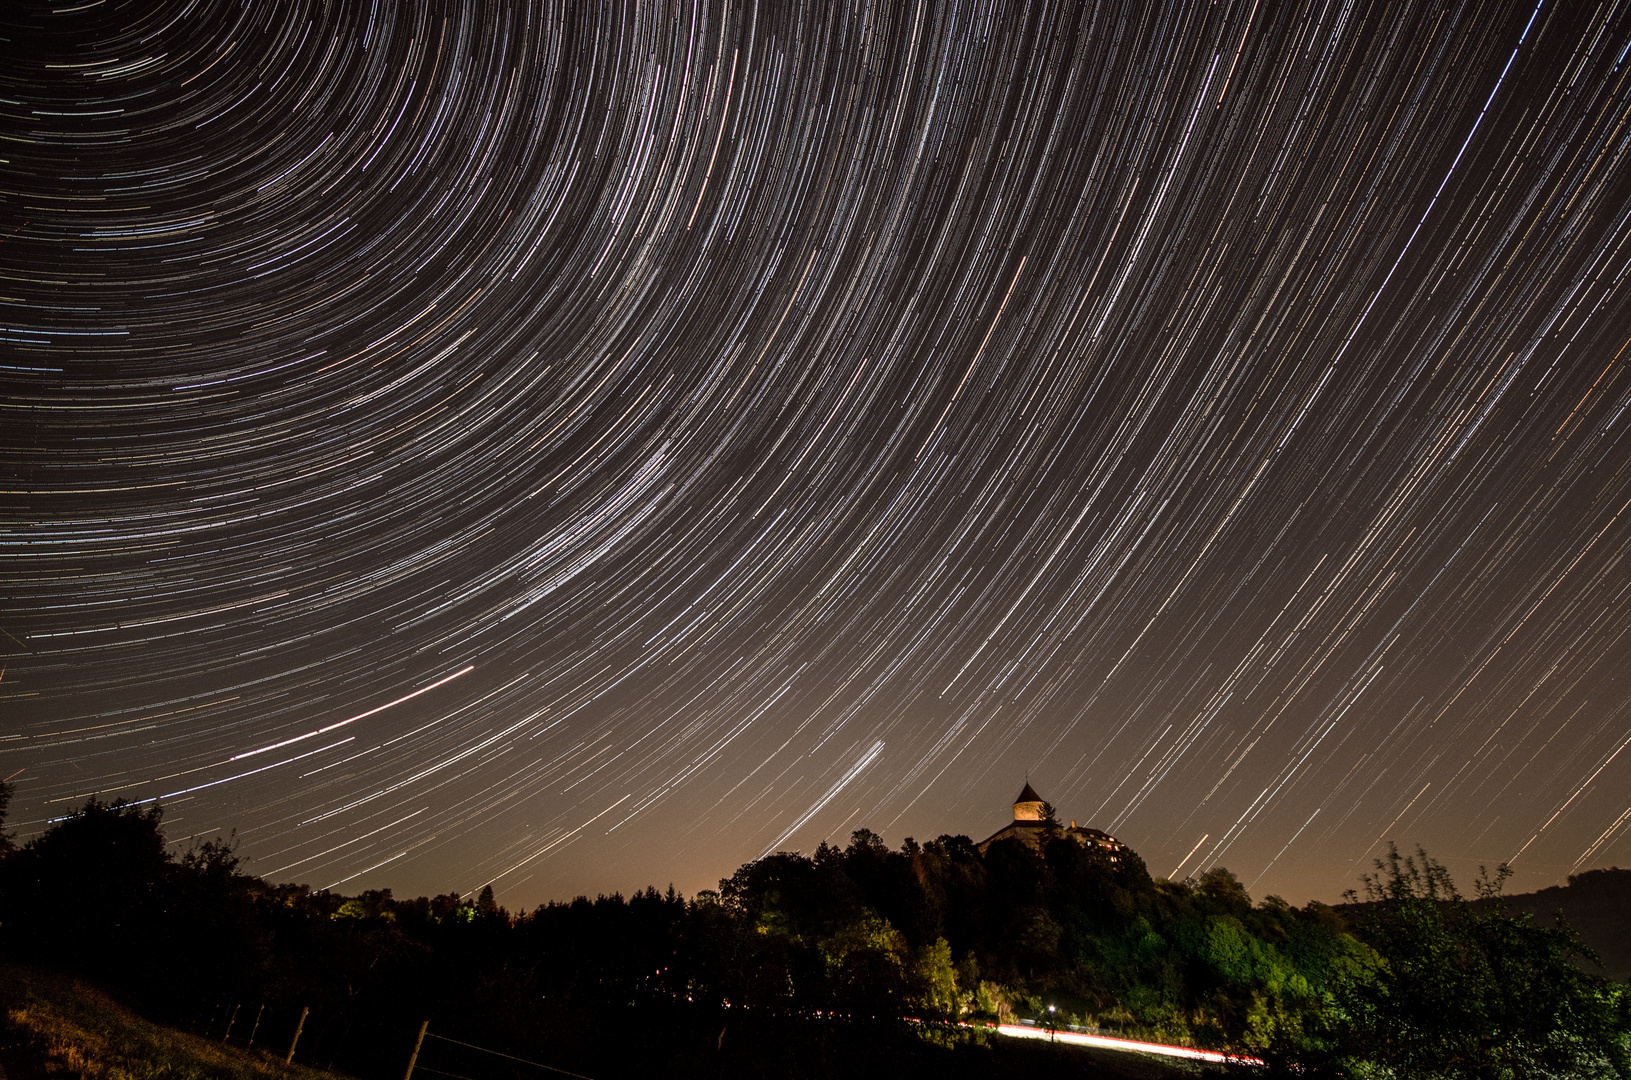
(55, 1027)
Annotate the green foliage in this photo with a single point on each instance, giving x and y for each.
(373, 904)
(860, 936)
(935, 988)
(1464, 990)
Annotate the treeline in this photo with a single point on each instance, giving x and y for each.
(859, 957)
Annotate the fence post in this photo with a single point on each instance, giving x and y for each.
(233, 1019)
(304, 1009)
(257, 1024)
(414, 1057)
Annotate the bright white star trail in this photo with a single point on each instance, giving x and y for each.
(577, 446)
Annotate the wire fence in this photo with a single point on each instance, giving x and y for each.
(276, 1029)
(485, 1050)
(250, 1026)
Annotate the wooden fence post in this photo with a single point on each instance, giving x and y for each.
(304, 1009)
(233, 1019)
(257, 1025)
(414, 1057)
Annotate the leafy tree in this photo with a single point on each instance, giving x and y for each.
(838, 946)
(89, 894)
(865, 962)
(216, 942)
(935, 991)
(1464, 990)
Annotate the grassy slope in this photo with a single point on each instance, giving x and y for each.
(53, 1027)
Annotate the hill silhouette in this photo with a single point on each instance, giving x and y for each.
(1597, 904)
(854, 961)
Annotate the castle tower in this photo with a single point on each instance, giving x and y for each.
(1031, 828)
(1029, 805)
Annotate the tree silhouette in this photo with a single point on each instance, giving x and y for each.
(808, 964)
(88, 893)
(1464, 990)
(6, 845)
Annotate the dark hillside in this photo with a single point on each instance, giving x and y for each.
(851, 962)
(1597, 904)
(56, 1027)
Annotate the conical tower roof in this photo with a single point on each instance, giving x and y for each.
(1029, 794)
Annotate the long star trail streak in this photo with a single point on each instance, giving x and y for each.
(657, 433)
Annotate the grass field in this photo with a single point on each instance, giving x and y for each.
(54, 1027)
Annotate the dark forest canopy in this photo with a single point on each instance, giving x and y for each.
(846, 943)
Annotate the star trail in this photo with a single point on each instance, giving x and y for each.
(571, 446)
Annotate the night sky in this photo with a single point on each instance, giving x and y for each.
(580, 446)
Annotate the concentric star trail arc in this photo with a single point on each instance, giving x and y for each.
(569, 447)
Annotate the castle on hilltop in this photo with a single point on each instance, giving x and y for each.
(1033, 824)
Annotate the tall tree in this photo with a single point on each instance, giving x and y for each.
(6, 846)
(89, 892)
